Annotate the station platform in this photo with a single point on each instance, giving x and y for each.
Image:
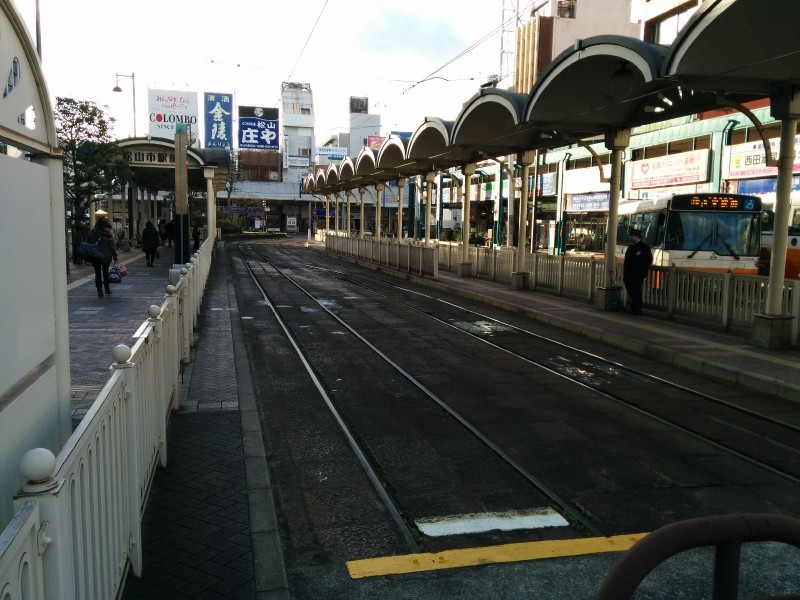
(210, 528)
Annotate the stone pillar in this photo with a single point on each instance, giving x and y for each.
(211, 203)
(336, 213)
(327, 214)
(181, 195)
(349, 195)
(520, 276)
(773, 328)
(429, 177)
(465, 266)
(608, 296)
(379, 187)
(362, 225)
(512, 191)
(401, 183)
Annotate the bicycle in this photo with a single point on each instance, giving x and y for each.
(122, 242)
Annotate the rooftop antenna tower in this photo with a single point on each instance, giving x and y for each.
(508, 39)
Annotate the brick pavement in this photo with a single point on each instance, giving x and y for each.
(208, 529)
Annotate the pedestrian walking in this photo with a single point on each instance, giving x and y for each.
(81, 234)
(170, 229)
(103, 234)
(150, 242)
(196, 238)
(638, 259)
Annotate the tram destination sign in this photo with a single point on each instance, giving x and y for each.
(716, 202)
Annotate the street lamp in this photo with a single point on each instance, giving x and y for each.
(132, 77)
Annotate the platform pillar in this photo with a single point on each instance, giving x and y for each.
(608, 298)
(772, 332)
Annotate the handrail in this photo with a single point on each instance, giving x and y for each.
(727, 533)
(77, 529)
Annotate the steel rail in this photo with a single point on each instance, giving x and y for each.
(566, 507)
(615, 398)
(388, 501)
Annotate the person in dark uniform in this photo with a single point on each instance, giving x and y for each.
(150, 242)
(638, 259)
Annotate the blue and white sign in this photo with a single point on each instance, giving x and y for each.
(764, 186)
(256, 131)
(332, 152)
(218, 110)
(588, 202)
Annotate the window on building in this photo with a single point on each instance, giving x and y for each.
(566, 9)
(304, 152)
(305, 111)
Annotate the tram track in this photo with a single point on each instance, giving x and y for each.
(573, 365)
(777, 442)
(368, 463)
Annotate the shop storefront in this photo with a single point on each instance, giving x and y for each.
(584, 211)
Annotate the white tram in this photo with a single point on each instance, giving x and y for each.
(712, 232)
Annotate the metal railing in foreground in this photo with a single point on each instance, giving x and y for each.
(725, 534)
(77, 528)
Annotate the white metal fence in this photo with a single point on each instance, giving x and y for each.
(77, 528)
(408, 257)
(724, 299)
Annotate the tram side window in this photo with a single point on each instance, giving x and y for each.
(623, 224)
(752, 245)
(767, 221)
(794, 226)
(675, 238)
(649, 225)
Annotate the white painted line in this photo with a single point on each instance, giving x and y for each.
(536, 518)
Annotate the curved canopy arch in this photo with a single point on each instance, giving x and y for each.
(751, 64)
(332, 179)
(152, 161)
(392, 152)
(365, 163)
(490, 123)
(320, 179)
(347, 172)
(601, 83)
(309, 184)
(431, 146)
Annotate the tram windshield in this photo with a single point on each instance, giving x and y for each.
(726, 234)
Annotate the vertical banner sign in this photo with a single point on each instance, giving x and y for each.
(218, 110)
(168, 108)
(258, 128)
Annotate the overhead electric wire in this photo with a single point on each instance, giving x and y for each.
(289, 77)
(489, 35)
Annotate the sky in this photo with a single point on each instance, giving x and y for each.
(342, 48)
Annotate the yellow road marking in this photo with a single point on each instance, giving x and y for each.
(470, 557)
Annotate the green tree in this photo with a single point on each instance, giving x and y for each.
(93, 164)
